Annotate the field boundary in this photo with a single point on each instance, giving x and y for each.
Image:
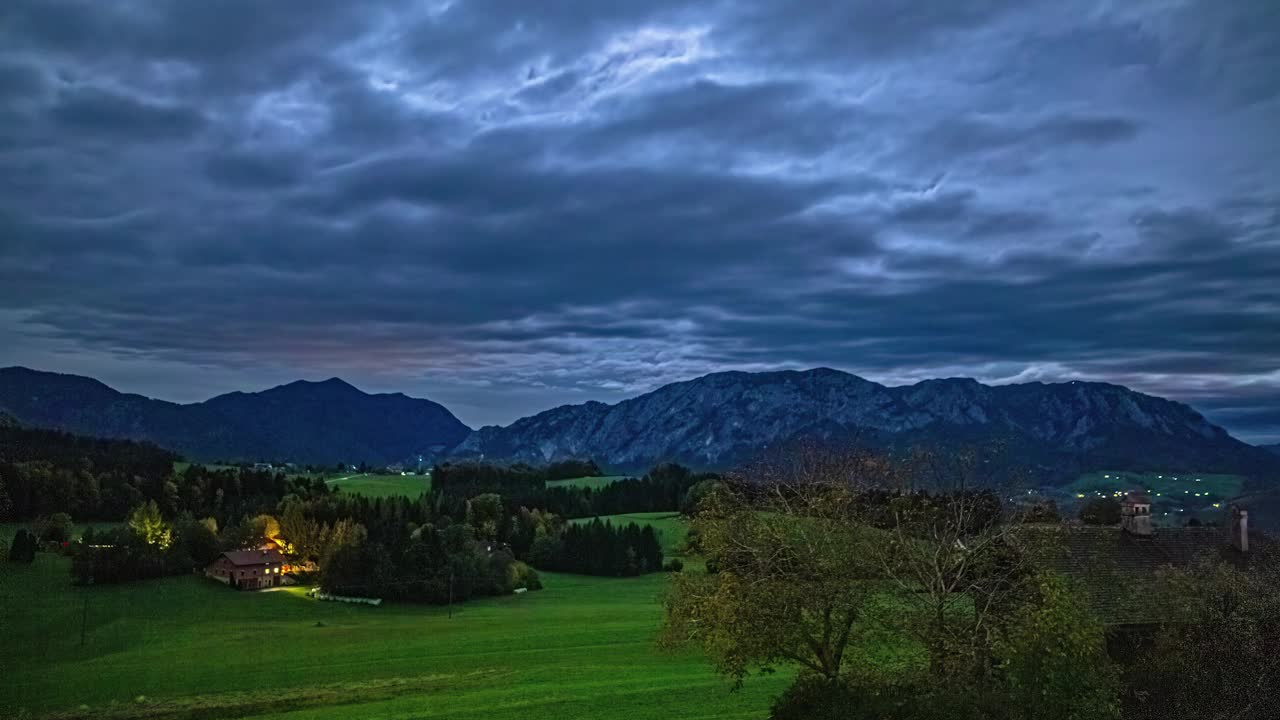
(274, 700)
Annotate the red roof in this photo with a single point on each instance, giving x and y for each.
(253, 557)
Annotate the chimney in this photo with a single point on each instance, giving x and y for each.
(1239, 529)
(1135, 514)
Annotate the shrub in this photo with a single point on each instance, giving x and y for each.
(813, 698)
(521, 575)
(674, 565)
(23, 549)
(58, 528)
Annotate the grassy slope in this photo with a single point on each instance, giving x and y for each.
(582, 648)
(670, 526)
(1175, 496)
(594, 483)
(383, 485)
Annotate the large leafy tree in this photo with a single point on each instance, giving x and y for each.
(484, 514)
(791, 570)
(820, 553)
(1220, 659)
(1052, 657)
(148, 524)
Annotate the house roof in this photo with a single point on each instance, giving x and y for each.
(1137, 497)
(253, 557)
(1118, 572)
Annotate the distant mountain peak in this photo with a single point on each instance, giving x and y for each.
(323, 421)
(720, 419)
(333, 383)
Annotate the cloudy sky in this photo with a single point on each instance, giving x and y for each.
(507, 205)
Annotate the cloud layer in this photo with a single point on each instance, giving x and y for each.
(509, 205)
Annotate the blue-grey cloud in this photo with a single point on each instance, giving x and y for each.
(508, 206)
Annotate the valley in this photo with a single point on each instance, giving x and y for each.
(187, 647)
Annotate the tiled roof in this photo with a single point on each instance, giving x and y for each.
(1118, 571)
(253, 557)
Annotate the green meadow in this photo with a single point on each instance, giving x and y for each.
(670, 526)
(1175, 496)
(595, 483)
(187, 647)
(382, 485)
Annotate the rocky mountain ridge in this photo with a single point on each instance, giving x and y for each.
(723, 418)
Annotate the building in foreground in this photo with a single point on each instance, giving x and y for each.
(249, 569)
(1118, 568)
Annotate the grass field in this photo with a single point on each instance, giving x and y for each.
(383, 485)
(594, 483)
(1175, 496)
(670, 526)
(581, 648)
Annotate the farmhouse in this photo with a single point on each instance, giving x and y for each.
(249, 569)
(1117, 567)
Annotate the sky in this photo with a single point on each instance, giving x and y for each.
(507, 205)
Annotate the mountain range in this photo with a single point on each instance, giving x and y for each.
(317, 422)
(714, 421)
(723, 418)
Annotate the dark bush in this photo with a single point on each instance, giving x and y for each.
(23, 548)
(813, 698)
(124, 557)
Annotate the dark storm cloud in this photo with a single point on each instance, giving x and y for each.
(19, 80)
(745, 117)
(509, 206)
(241, 169)
(94, 111)
(970, 135)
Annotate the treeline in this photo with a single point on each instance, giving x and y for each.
(148, 546)
(44, 472)
(483, 525)
(436, 566)
(661, 489)
(474, 478)
(539, 537)
(600, 548)
(61, 449)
